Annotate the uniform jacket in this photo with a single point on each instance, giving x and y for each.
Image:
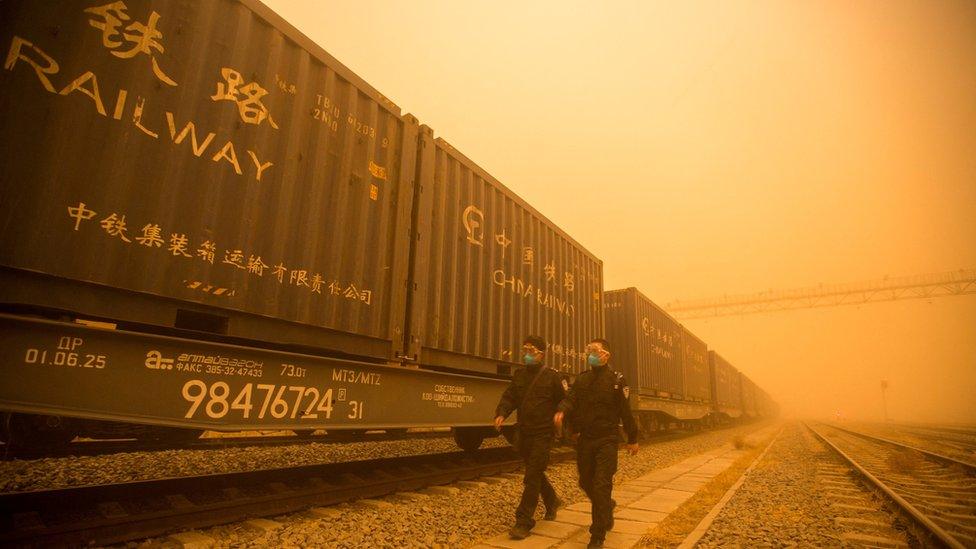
(541, 403)
(597, 403)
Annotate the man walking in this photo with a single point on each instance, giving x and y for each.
(598, 403)
(535, 391)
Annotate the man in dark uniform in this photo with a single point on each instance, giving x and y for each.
(597, 403)
(535, 391)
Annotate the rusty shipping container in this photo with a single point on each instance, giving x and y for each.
(204, 165)
(726, 386)
(490, 269)
(694, 358)
(646, 343)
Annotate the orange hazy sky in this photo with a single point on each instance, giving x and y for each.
(710, 148)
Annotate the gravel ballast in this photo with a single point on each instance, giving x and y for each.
(461, 519)
(786, 500)
(38, 474)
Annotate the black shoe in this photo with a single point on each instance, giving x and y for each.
(613, 505)
(518, 532)
(551, 511)
(595, 542)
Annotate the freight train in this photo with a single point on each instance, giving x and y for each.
(209, 222)
(674, 378)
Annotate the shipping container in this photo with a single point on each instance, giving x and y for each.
(665, 362)
(490, 269)
(726, 386)
(646, 343)
(765, 404)
(694, 358)
(771, 409)
(750, 404)
(201, 165)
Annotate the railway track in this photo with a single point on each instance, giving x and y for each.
(116, 513)
(934, 491)
(106, 447)
(958, 429)
(950, 441)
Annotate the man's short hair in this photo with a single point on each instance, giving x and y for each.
(535, 341)
(603, 342)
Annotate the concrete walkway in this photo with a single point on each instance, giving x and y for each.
(641, 503)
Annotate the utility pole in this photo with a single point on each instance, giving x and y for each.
(884, 400)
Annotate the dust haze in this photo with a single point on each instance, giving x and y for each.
(711, 148)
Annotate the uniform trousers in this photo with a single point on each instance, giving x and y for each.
(535, 453)
(596, 460)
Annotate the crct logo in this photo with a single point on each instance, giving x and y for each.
(473, 221)
(155, 361)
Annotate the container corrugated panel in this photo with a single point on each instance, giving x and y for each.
(620, 314)
(749, 403)
(726, 383)
(756, 399)
(736, 384)
(764, 404)
(490, 269)
(204, 152)
(694, 358)
(771, 409)
(651, 340)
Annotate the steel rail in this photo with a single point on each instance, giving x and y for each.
(970, 468)
(24, 516)
(966, 441)
(106, 447)
(136, 510)
(913, 512)
(969, 431)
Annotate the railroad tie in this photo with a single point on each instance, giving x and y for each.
(191, 540)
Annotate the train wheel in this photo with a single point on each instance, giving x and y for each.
(647, 425)
(171, 435)
(346, 434)
(304, 433)
(26, 430)
(469, 439)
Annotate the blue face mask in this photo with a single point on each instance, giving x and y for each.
(529, 359)
(593, 360)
